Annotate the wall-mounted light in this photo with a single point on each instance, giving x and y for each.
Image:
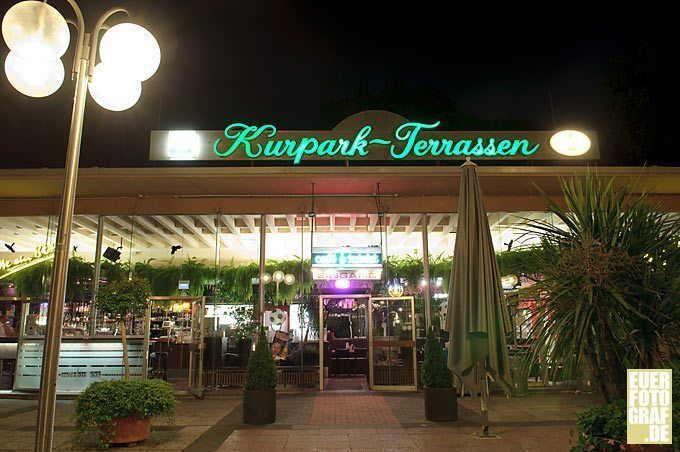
(571, 143)
(183, 144)
(175, 248)
(10, 247)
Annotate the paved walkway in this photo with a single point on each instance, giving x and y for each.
(330, 421)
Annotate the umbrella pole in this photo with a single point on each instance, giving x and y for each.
(484, 400)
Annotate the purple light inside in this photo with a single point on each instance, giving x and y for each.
(342, 283)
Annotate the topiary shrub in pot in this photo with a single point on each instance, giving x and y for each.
(259, 395)
(121, 411)
(121, 299)
(127, 419)
(441, 404)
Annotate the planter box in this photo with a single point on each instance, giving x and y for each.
(130, 430)
(259, 406)
(441, 404)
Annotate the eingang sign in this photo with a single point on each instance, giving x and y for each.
(369, 136)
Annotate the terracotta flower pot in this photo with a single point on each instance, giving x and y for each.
(130, 430)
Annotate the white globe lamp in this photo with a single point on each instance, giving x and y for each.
(34, 78)
(278, 276)
(36, 31)
(131, 48)
(113, 89)
(289, 279)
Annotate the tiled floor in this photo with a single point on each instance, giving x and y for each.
(397, 438)
(362, 408)
(312, 420)
(395, 421)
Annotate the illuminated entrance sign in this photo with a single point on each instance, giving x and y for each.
(367, 136)
(355, 274)
(347, 258)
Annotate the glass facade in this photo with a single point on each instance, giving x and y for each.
(209, 263)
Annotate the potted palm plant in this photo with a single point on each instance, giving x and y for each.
(122, 410)
(259, 396)
(440, 394)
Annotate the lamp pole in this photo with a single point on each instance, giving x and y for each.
(50, 362)
(37, 35)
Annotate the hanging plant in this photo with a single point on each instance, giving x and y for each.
(80, 275)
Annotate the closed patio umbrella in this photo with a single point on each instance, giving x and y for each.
(476, 320)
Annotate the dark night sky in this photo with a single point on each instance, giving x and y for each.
(284, 62)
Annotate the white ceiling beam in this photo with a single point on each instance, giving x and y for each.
(190, 223)
(271, 223)
(453, 222)
(231, 225)
(394, 221)
(413, 221)
(11, 234)
(137, 238)
(179, 232)
(499, 218)
(352, 223)
(250, 222)
(85, 223)
(88, 241)
(291, 223)
(137, 234)
(434, 221)
(372, 222)
(148, 224)
(215, 229)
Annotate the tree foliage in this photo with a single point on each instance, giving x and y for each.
(261, 372)
(436, 373)
(122, 298)
(610, 283)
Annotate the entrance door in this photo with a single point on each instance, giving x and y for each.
(392, 344)
(349, 357)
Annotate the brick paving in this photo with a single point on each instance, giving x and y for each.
(363, 409)
(312, 420)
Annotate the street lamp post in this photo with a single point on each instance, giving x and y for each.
(38, 36)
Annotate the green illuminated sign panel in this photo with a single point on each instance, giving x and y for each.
(370, 136)
(407, 142)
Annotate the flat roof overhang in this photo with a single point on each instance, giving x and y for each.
(254, 190)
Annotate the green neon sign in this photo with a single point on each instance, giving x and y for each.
(408, 141)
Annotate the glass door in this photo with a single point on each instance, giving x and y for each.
(392, 344)
(342, 349)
